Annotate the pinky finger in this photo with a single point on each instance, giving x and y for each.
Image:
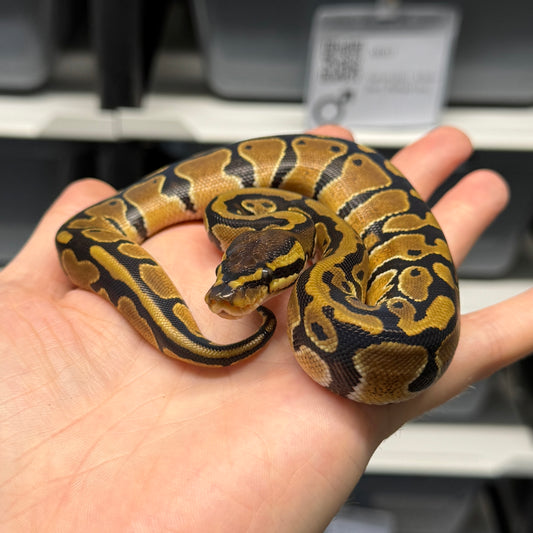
(491, 339)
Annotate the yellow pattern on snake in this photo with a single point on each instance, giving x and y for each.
(374, 318)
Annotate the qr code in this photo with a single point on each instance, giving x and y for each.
(340, 60)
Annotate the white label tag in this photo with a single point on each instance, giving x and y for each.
(370, 67)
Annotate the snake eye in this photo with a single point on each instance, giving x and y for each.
(267, 275)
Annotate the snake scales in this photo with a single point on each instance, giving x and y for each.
(375, 319)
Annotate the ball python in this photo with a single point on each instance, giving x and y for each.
(374, 318)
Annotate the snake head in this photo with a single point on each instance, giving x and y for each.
(256, 266)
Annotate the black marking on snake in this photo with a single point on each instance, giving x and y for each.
(178, 187)
(287, 163)
(289, 270)
(329, 174)
(235, 206)
(135, 218)
(426, 377)
(335, 235)
(344, 376)
(318, 330)
(355, 201)
(240, 167)
(303, 296)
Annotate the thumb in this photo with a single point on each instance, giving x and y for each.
(36, 265)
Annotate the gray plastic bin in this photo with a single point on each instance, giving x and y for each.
(27, 43)
(258, 50)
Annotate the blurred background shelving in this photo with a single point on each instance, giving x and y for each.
(181, 107)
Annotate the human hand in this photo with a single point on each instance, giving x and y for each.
(101, 432)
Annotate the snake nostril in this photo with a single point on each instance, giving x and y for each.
(221, 292)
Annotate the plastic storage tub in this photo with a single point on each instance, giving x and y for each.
(258, 50)
(419, 504)
(28, 36)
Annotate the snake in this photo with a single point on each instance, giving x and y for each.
(374, 302)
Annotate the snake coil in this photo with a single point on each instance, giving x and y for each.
(375, 319)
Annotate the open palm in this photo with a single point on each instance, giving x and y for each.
(101, 432)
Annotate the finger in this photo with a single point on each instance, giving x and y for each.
(467, 209)
(427, 162)
(501, 332)
(37, 263)
(331, 130)
(430, 160)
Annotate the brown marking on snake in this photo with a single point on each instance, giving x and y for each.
(414, 282)
(82, 273)
(127, 308)
(265, 155)
(386, 370)
(313, 155)
(438, 315)
(377, 207)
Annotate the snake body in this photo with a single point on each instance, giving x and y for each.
(374, 319)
